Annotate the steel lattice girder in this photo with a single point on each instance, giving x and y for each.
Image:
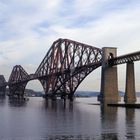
(124, 59)
(66, 64)
(64, 67)
(3, 84)
(18, 80)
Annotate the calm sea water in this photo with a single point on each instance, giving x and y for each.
(37, 119)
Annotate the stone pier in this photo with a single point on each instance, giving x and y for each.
(130, 93)
(109, 79)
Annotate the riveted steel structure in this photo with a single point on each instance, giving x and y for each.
(17, 81)
(65, 66)
(128, 58)
(3, 85)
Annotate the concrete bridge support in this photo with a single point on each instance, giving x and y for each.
(109, 79)
(130, 93)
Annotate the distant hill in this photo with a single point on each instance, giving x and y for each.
(138, 94)
(30, 93)
(122, 94)
(95, 94)
(86, 94)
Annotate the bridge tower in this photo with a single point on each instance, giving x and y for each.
(109, 77)
(2, 85)
(17, 81)
(130, 93)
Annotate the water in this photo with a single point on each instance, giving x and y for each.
(37, 119)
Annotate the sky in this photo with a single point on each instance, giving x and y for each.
(29, 27)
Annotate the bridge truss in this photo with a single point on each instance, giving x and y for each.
(128, 58)
(65, 66)
(17, 81)
(3, 85)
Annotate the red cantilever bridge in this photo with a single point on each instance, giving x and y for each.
(64, 67)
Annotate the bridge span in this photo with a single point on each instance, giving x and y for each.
(66, 65)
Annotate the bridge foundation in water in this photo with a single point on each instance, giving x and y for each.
(2, 85)
(109, 77)
(130, 93)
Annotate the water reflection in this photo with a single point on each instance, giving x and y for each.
(69, 137)
(109, 122)
(17, 103)
(38, 119)
(2, 100)
(58, 105)
(130, 123)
